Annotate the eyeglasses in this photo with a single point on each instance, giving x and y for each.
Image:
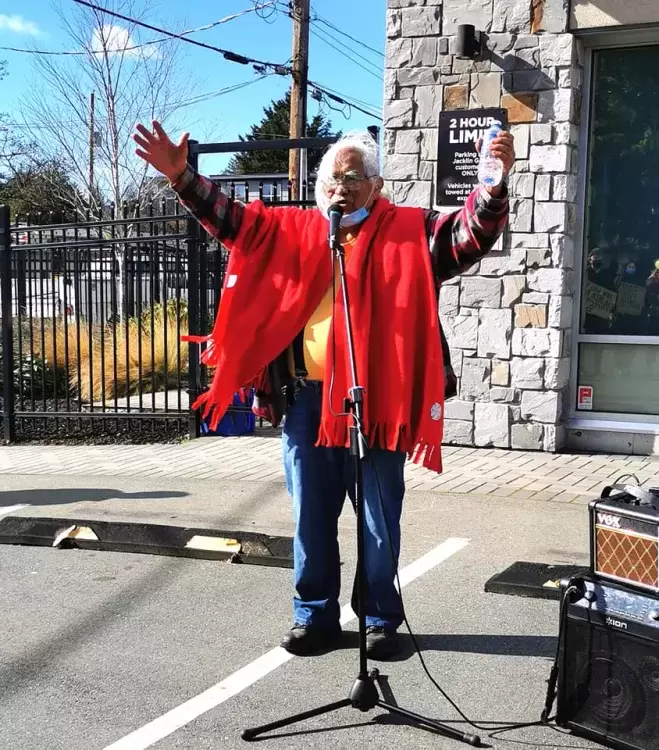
(350, 182)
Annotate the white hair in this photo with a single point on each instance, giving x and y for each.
(360, 141)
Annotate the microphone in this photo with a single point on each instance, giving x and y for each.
(335, 214)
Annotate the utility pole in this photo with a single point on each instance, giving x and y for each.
(92, 143)
(300, 14)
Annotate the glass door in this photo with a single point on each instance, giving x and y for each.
(618, 335)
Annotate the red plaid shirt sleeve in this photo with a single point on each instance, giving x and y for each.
(456, 240)
(217, 213)
(459, 239)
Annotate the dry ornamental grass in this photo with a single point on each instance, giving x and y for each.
(153, 344)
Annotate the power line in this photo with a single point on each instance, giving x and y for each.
(340, 100)
(272, 14)
(227, 54)
(206, 27)
(372, 111)
(318, 91)
(317, 17)
(344, 33)
(352, 51)
(350, 54)
(259, 65)
(352, 99)
(221, 92)
(187, 103)
(340, 51)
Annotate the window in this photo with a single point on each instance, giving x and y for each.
(620, 288)
(624, 377)
(621, 278)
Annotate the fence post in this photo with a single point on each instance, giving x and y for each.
(8, 422)
(194, 311)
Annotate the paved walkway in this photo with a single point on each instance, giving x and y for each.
(565, 478)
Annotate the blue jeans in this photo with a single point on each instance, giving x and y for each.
(317, 480)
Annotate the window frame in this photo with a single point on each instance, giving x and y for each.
(594, 42)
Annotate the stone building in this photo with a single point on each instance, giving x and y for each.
(553, 336)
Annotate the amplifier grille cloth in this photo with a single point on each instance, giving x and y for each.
(627, 557)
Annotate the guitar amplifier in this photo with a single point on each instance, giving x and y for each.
(608, 678)
(624, 534)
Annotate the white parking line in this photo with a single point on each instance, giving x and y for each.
(12, 508)
(178, 717)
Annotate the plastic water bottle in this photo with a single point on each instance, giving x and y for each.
(490, 169)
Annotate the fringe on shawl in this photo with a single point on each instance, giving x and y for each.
(392, 437)
(386, 435)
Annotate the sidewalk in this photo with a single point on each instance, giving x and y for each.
(565, 478)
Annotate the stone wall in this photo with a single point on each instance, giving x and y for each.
(509, 320)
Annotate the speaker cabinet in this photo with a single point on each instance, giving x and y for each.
(608, 688)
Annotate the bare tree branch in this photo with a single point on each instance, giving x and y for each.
(129, 85)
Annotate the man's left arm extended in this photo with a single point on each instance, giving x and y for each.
(459, 239)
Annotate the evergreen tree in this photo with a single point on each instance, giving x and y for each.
(275, 125)
(38, 188)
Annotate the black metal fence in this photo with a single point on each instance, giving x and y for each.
(93, 312)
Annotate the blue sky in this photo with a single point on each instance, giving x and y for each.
(225, 117)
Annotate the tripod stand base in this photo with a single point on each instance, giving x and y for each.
(364, 696)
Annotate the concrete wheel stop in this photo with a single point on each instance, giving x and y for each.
(153, 539)
(533, 580)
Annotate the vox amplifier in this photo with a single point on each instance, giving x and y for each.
(608, 665)
(624, 537)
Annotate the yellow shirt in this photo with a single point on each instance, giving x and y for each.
(316, 332)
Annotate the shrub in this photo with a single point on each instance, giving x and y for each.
(95, 365)
(34, 376)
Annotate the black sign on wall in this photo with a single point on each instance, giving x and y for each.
(457, 158)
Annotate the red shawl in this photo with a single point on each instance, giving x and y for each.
(280, 268)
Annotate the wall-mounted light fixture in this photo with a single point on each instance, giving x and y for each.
(469, 43)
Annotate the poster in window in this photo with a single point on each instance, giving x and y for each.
(631, 299)
(599, 301)
(457, 158)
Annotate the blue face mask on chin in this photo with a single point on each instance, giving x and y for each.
(356, 217)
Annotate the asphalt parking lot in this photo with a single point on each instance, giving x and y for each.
(102, 650)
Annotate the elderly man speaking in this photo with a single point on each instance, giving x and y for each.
(279, 326)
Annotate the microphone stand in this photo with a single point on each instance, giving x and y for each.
(364, 694)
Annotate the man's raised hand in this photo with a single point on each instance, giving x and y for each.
(156, 148)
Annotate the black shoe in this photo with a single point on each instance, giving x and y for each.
(308, 641)
(381, 643)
